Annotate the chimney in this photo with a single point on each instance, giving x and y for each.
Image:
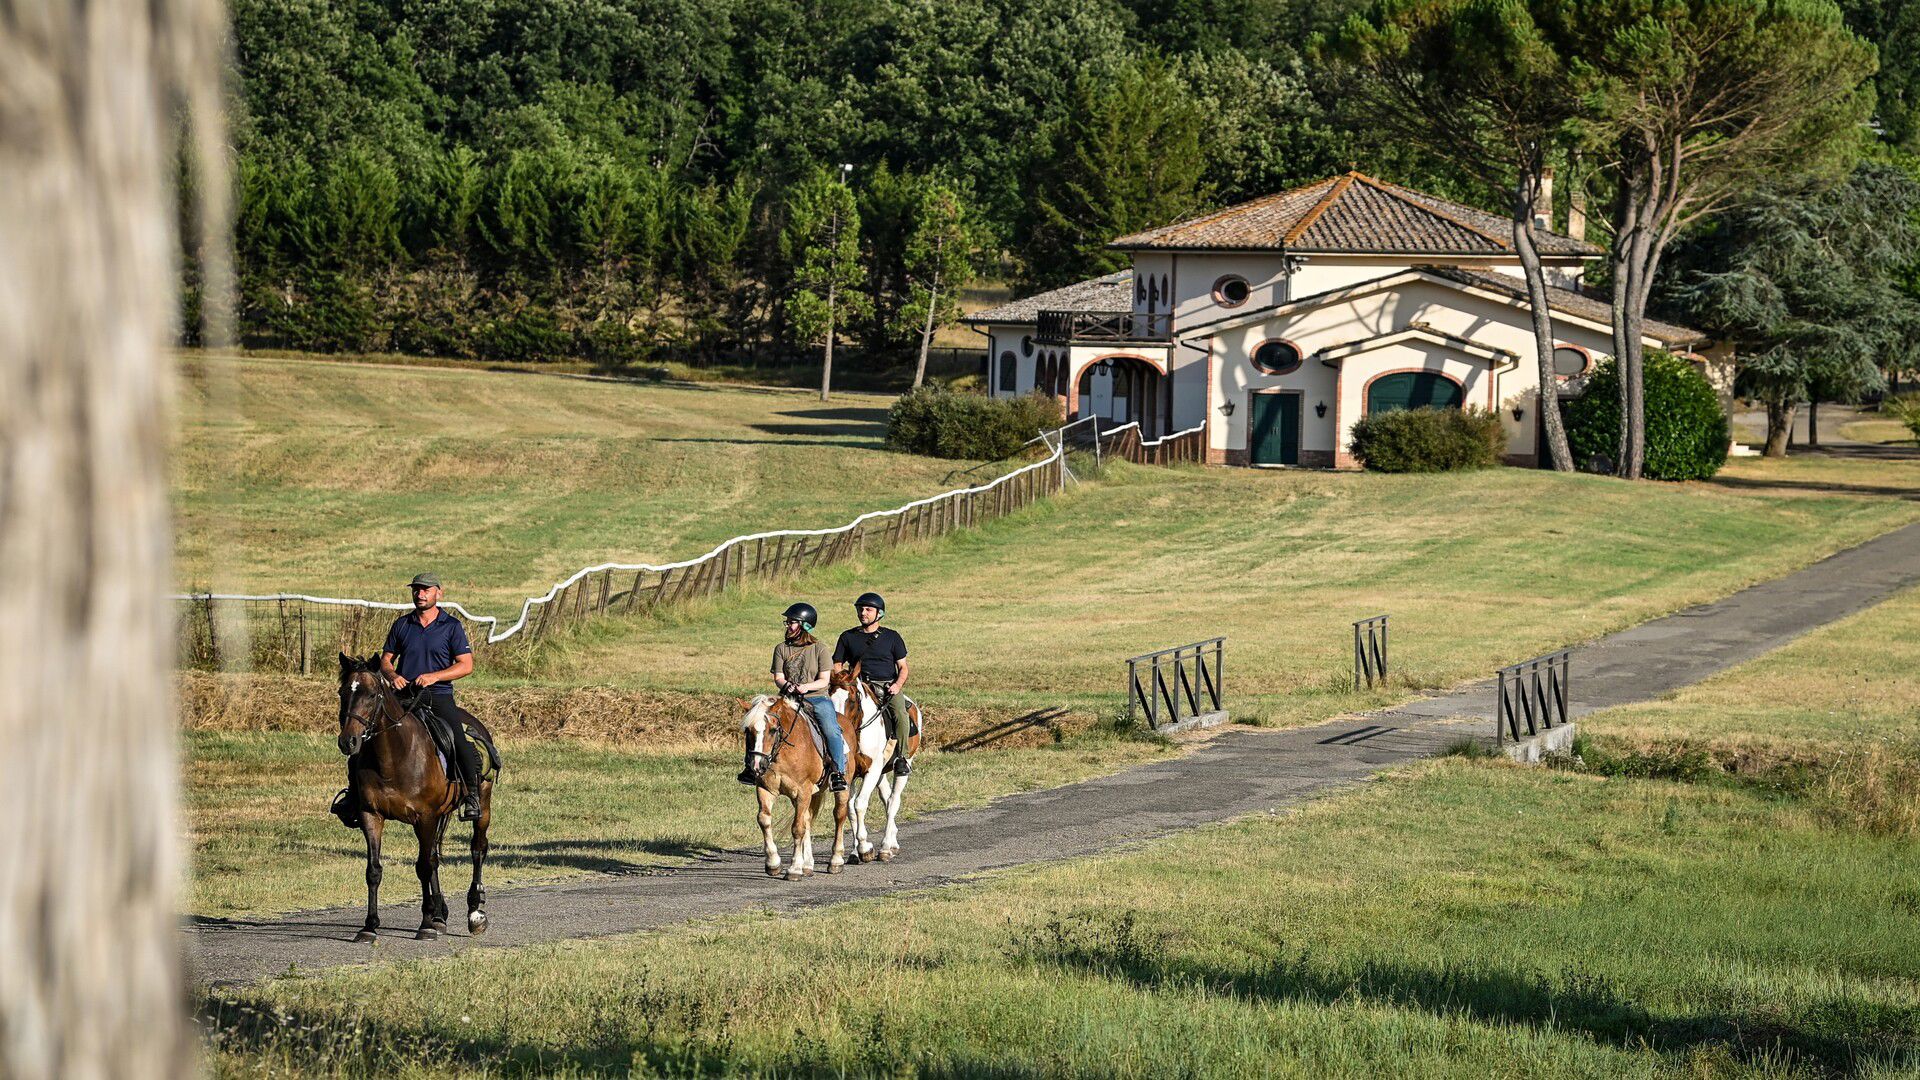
(1577, 212)
(1543, 200)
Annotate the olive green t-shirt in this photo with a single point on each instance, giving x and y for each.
(801, 664)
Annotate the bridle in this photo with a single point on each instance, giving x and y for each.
(781, 737)
(371, 726)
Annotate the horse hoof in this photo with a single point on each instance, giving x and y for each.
(867, 856)
(365, 937)
(476, 923)
(773, 871)
(834, 868)
(426, 933)
(886, 856)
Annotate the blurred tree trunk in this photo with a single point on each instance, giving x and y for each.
(91, 984)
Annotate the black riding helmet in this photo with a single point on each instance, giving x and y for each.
(802, 613)
(872, 600)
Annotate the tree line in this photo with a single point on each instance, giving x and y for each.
(753, 180)
(1740, 139)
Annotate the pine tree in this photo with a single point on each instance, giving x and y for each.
(822, 241)
(940, 251)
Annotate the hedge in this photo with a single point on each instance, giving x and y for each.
(1687, 430)
(940, 423)
(1428, 440)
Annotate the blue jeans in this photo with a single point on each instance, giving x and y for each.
(830, 730)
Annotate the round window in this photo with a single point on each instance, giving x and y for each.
(1276, 357)
(1232, 291)
(1569, 361)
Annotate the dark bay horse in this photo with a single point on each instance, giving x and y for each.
(394, 773)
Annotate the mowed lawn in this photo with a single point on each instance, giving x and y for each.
(1459, 918)
(1477, 570)
(346, 479)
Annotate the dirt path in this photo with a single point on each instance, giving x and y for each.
(1237, 773)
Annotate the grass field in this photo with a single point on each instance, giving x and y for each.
(1877, 430)
(1461, 918)
(1477, 570)
(343, 479)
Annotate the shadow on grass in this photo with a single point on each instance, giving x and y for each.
(627, 1033)
(1836, 1036)
(1745, 483)
(982, 738)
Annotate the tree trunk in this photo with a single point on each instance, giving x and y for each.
(826, 367)
(1813, 423)
(1549, 400)
(1779, 427)
(926, 333)
(91, 982)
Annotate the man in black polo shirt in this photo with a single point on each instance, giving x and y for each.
(428, 649)
(882, 656)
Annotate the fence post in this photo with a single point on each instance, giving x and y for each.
(306, 645)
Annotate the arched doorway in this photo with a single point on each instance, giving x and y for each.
(1122, 390)
(1413, 390)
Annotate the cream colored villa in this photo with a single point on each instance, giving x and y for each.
(1280, 322)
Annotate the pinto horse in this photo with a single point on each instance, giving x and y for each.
(394, 773)
(785, 760)
(870, 751)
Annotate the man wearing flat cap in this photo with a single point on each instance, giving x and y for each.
(427, 649)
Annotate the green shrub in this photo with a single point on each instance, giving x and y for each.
(938, 422)
(1906, 409)
(1428, 440)
(1687, 430)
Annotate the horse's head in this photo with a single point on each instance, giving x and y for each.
(363, 692)
(844, 679)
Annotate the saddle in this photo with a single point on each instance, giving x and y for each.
(882, 698)
(443, 738)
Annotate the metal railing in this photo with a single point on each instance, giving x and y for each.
(1534, 693)
(1370, 652)
(1064, 327)
(1160, 683)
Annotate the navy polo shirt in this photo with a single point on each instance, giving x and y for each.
(419, 649)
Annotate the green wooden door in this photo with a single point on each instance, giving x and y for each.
(1276, 429)
(1413, 390)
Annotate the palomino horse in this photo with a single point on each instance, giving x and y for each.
(785, 759)
(394, 773)
(871, 751)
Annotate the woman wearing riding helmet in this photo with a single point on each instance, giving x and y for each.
(802, 667)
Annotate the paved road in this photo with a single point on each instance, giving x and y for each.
(1238, 773)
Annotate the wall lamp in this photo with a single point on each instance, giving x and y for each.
(1226, 408)
(1518, 414)
(1320, 408)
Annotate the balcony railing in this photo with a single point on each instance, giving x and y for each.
(1066, 327)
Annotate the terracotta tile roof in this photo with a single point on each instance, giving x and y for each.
(1114, 292)
(1350, 213)
(1564, 300)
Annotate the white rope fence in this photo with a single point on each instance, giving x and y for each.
(760, 554)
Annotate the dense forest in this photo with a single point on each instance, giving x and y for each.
(620, 180)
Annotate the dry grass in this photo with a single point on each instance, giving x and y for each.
(341, 479)
(1477, 570)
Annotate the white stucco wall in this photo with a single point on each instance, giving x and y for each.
(1485, 321)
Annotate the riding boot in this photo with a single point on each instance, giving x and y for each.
(469, 758)
(902, 732)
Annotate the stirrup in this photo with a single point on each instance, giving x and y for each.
(836, 780)
(900, 766)
(470, 808)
